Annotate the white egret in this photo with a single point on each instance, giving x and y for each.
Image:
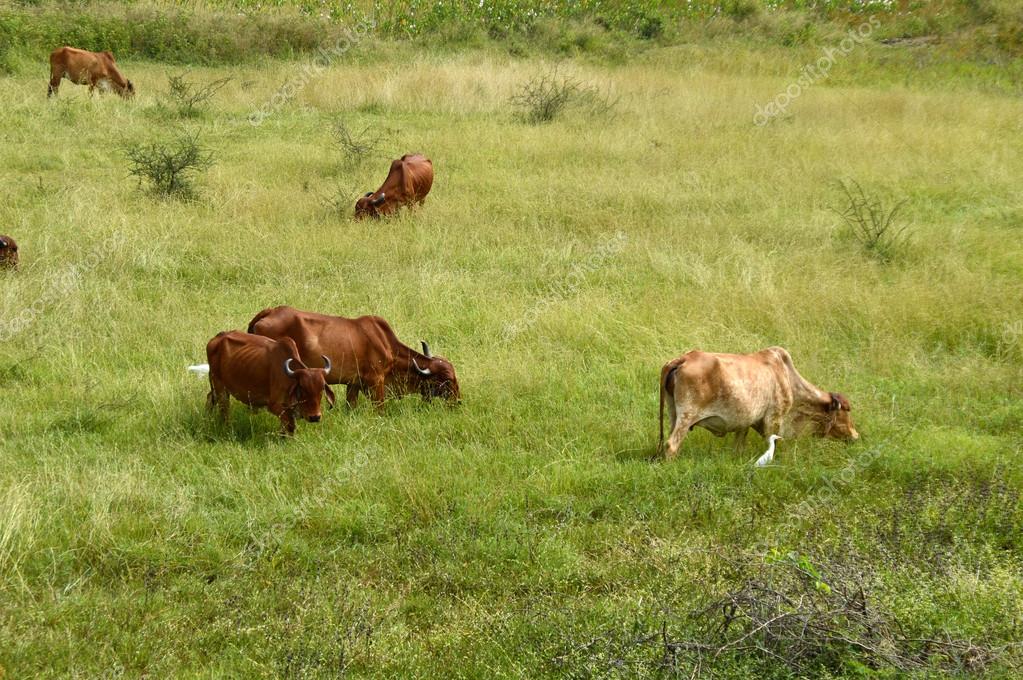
(769, 453)
(201, 369)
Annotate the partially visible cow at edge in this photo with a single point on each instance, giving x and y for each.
(408, 182)
(266, 373)
(8, 253)
(95, 69)
(733, 392)
(368, 357)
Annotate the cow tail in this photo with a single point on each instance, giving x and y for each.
(256, 319)
(668, 373)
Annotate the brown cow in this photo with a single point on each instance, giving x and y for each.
(8, 253)
(87, 68)
(368, 356)
(733, 392)
(262, 372)
(408, 182)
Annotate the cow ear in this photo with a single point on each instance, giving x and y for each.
(837, 401)
(331, 399)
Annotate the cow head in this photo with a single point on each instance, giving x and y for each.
(837, 422)
(307, 388)
(8, 252)
(128, 91)
(367, 206)
(435, 377)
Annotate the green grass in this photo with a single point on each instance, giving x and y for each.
(492, 540)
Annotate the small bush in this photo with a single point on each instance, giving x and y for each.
(547, 96)
(188, 99)
(741, 10)
(871, 223)
(169, 167)
(341, 202)
(649, 26)
(355, 146)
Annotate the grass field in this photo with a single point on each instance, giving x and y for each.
(529, 532)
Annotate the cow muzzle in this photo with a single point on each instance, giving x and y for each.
(313, 419)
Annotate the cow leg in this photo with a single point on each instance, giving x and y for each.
(352, 395)
(740, 439)
(378, 394)
(287, 424)
(218, 397)
(54, 84)
(287, 417)
(224, 402)
(772, 425)
(225, 406)
(678, 435)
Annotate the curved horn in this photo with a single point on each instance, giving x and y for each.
(326, 363)
(3, 243)
(379, 200)
(421, 371)
(287, 368)
(426, 350)
(367, 194)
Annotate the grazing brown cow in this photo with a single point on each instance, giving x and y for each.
(95, 69)
(733, 392)
(367, 354)
(8, 253)
(408, 182)
(262, 372)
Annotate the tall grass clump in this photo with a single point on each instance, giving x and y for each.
(169, 166)
(871, 222)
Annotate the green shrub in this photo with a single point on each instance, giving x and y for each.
(547, 96)
(169, 166)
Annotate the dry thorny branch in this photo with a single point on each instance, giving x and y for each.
(189, 98)
(788, 614)
(355, 146)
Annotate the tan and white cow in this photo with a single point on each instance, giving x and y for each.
(733, 392)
